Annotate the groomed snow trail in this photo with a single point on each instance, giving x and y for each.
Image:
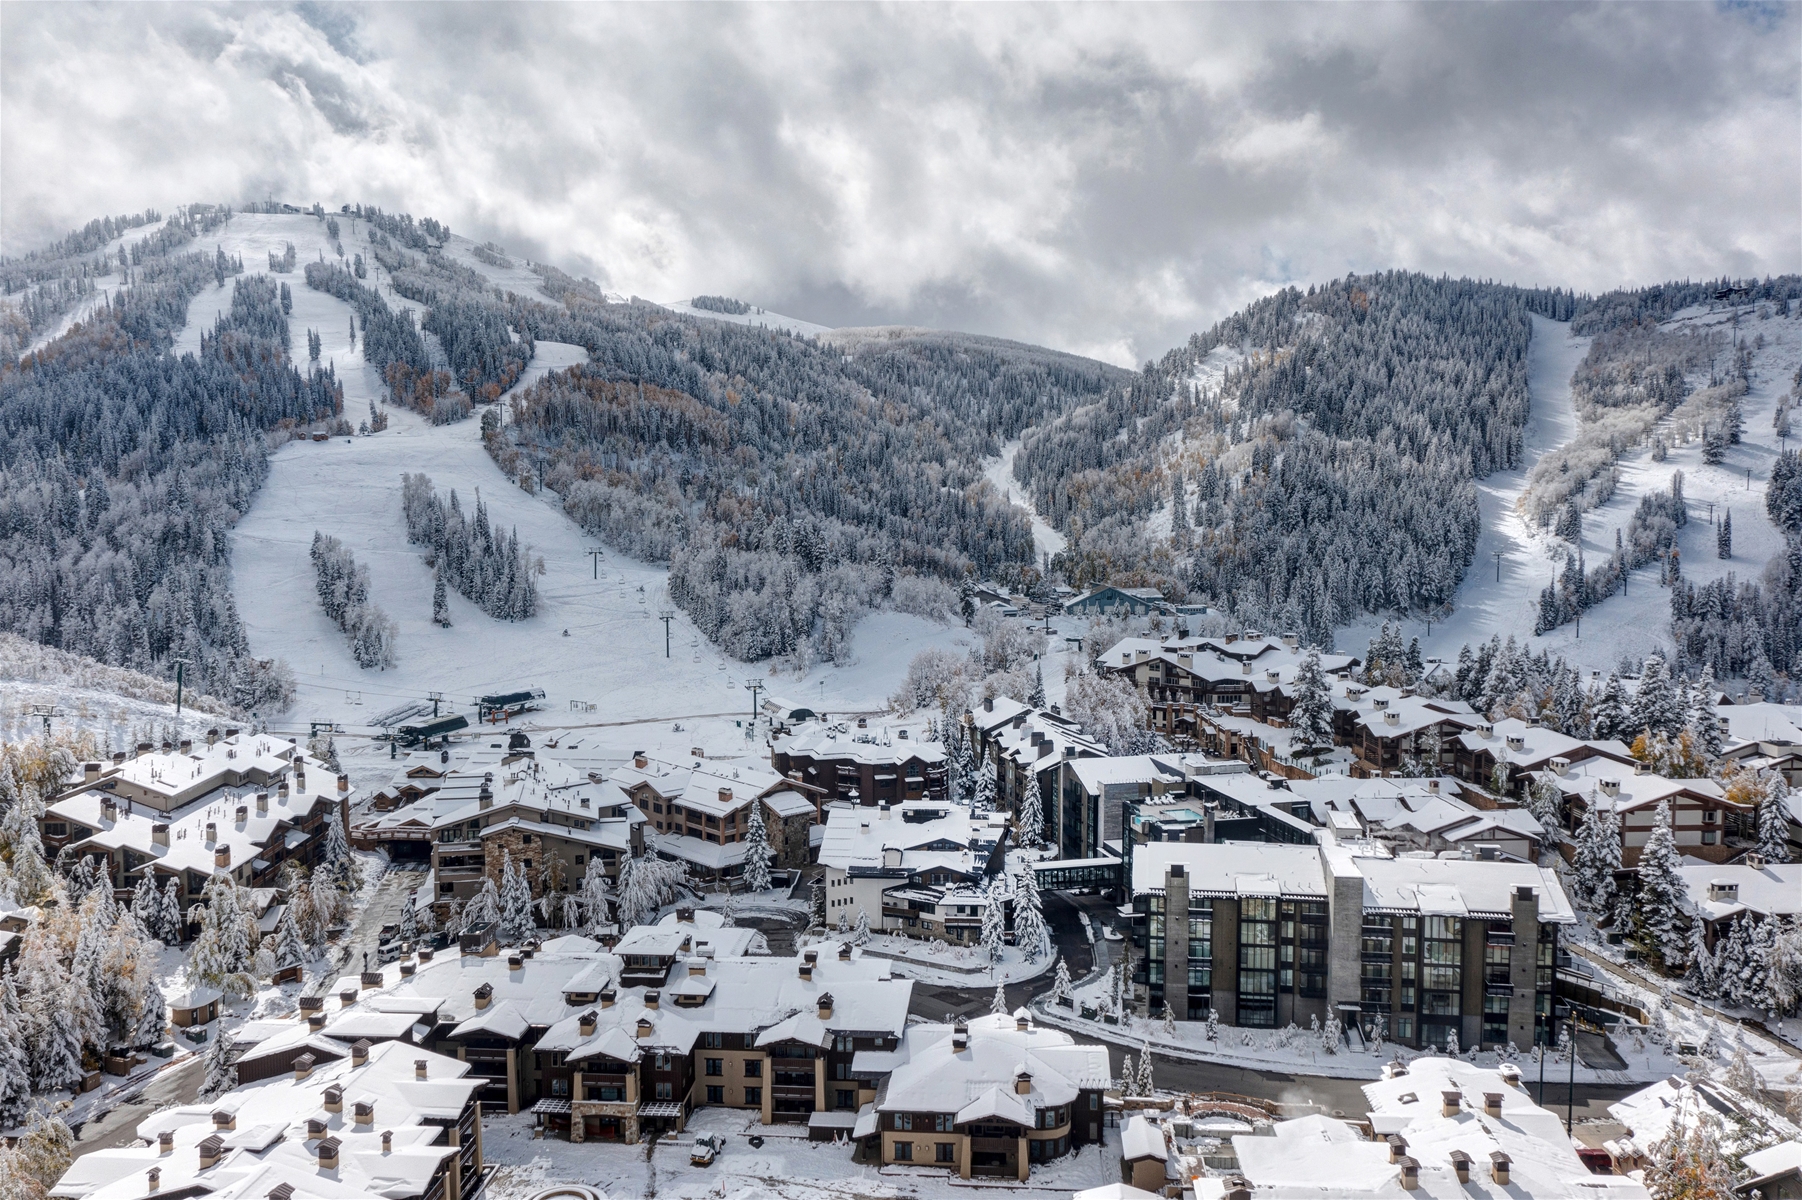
(1000, 474)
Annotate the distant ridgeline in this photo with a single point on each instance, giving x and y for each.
(122, 466)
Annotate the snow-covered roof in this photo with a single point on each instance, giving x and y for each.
(716, 790)
(1773, 889)
(1139, 1138)
(926, 833)
(1411, 714)
(1531, 746)
(702, 932)
(1779, 724)
(1585, 780)
(1232, 868)
(933, 1075)
(1058, 738)
(169, 781)
(1781, 1159)
(884, 744)
(1146, 770)
(542, 788)
(1460, 887)
(269, 1144)
(1650, 1112)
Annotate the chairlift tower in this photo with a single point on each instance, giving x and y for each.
(47, 712)
(180, 666)
(666, 615)
(754, 686)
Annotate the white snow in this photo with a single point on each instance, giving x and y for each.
(1000, 474)
(756, 317)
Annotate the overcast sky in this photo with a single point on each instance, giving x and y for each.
(1104, 179)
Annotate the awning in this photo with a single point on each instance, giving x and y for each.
(867, 1121)
(660, 1108)
(832, 1120)
(551, 1107)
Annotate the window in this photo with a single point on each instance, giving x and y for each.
(845, 1098)
(1708, 836)
(942, 1123)
(753, 1068)
(662, 1062)
(753, 1095)
(904, 1151)
(560, 1087)
(945, 1152)
(716, 1094)
(904, 1121)
(713, 1041)
(715, 1066)
(666, 1091)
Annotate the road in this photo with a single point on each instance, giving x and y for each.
(177, 1084)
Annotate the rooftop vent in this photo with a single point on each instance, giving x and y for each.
(303, 1066)
(1492, 1104)
(1450, 1103)
(419, 1068)
(211, 1151)
(334, 1099)
(483, 995)
(1517, 741)
(328, 1154)
(359, 1052)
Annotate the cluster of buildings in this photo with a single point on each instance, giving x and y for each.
(235, 805)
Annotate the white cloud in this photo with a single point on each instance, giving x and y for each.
(1105, 179)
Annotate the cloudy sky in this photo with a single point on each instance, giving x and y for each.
(1104, 179)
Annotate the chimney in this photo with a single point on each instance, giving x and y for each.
(359, 1052)
(303, 1066)
(1410, 1171)
(960, 1036)
(222, 856)
(1461, 1164)
(212, 833)
(419, 1068)
(348, 996)
(608, 995)
(484, 797)
(825, 1005)
(262, 804)
(645, 1028)
(988, 705)
(1245, 667)
(1398, 1147)
(1611, 788)
(165, 1142)
(310, 1004)
(1498, 1166)
(844, 952)
(653, 1000)
(1237, 1188)
(1492, 1104)
(515, 963)
(483, 995)
(1022, 1083)
(224, 1120)
(343, 785)
(807, 972)
(639, 760)
(300, 777)
(1433, 784)
(211, 1151)
(1450, 1103)
(328, 1154)
(285, 1191)
(153, 1179)
(586, 1023)
(1517, 741)
(407, 969)
(315, 1022)
(725, 795)
(315, 1129)
(387, 1141)
(281, 792)
(334, 1099)
(1722, 891)
(1021, 1021)
(187, 745)
(1560, 765)
(212, 735)
(1392, 718)
(363, 1112)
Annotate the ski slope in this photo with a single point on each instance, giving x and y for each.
(1000, 474)
(1635, 623)
(759, 318)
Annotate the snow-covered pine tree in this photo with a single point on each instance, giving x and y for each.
(994, 919)
(221, 1072)
(1213, 1025)
(596, 898)
(757, 851)
(147, 905)
(1060, 981)
(1661, 901)
(1169, 1020)
(1031, 818)
(1036, 697)
(1030, 934)
(409, 920)
(1546, 802)
(1598, 856)
(1311, 716)
(174, 921)
(998, 1003)
(983, 801)
(484, 908)
(517, 926)
(1608, 717)
(1145, 1085)
(1773, 820)
(290, 951)
(1704, 966)
(862, 932)
(1654, 707)
(1704, 722)
(440, 599)
(1129, 1077)
(153, 1015)
(15, 1068)
(1723, 537)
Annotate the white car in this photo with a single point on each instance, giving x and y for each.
(707, 1147)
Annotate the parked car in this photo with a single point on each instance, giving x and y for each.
(707, 1148)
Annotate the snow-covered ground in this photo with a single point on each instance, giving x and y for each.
(933, 961)
(757, 317)
(1000, 474)
(786, 1167)
(1637, 622)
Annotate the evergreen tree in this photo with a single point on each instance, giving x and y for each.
(336, 869)
(174, 921)
(1661, 900)
(998, 1003)
(484, 908)
(757, 852)
(517, 927)
(597, 899)
(984, 799)
(1031, 818)
(1030, 934)
(440, 599)
(1036, 698)
(1060, 981)
(1723, 537)
(1704, 966)
(15, 1069)
(147, 905)
(1144, 1084)
(994, 922)
(289, 950)
(1655, 708)
(1598, 856)
(1773, 820)
(1312, 713)
(1608, 711)
(221, 1072)
(862, 932)
(1129, 1077)
(1704, 720)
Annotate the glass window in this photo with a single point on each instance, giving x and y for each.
(904, 1151)
(716, 1095)
(753, 1095)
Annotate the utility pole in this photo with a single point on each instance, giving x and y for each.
(180, 664)
(435, 698)
(754, 686)
(666, 615)
(594, 552)
(1498, 566)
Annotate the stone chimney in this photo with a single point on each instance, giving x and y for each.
(222, 856)
(315, 1022)
(844, 952)
(608, 995)
(109, 809)
(387, 1141)
(165, 1142)
(153, 1178)
(212, 833)
(1398, 1147)
(1461, 1164)
(645, 1028)
(807, 972)
(262, 804)
(224, 1120)
(303, 1066)
(1410, 1172)
(343, 785)
(725, 795)
(281, 792)
(639, 760)
(960, 1036)
(1022, 1022)
(515, 963)
(348, 996)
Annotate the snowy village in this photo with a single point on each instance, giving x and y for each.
(1186, 603)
